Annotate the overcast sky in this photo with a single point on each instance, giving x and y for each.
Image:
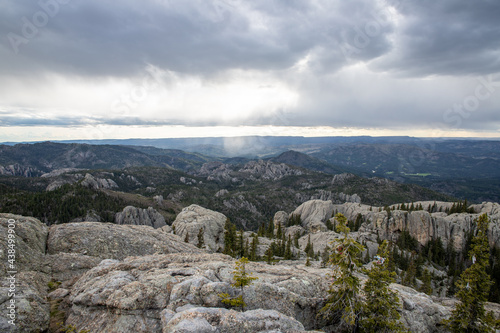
(97, 69)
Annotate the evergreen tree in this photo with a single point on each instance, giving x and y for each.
(269, 254)
(294, 219)
(309, 250)
(473, 287)
(325, 256)
(186, 238)
(253, 247)
(343, 301)
(380, 313)
(288, 249)
(329, 224)
(426, 282)
(246, 250)
(229, 238)
(201, 238)
(241, 279)
(391, 265)
(359, 221)
(240, 245)
(279, 231)
(411, 272)
(260, 231)
(296, 240)
(270, 229)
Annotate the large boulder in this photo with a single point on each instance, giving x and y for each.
(207, 320)
(139, 216)
(179, 293)
(112, 241)
(193, 218)
(314, 214)
(130, 295)
(280, 218)
(25, 276)
(419, 312)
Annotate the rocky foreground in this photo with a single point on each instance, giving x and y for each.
(134, 278)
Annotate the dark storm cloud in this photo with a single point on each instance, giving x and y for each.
(355, 63)
(446, 37)
(118, 38)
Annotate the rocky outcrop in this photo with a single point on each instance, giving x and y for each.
(132, 295)
(314, 214)
(268, 170)
(72, 249)
(98, 183)
(216, 171)
(342, 178)
(425, 226)
(335, 197)
(19, 170)
(221, 193)
(193, 218)
(111, 241)
(280, 218)
(138, 216)
(179, 293)
(201, 320)
(25, 277)
(130, 278)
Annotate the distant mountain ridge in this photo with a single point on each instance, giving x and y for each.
(465, 169)
(40, 158)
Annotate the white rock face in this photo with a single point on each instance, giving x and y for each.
(137, 216)
(280, 218)
(198, 320)
(191, 219)
(269, 170)
(314, 214)
(425, 226)
(98, 183)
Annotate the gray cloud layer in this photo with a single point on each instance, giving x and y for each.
(366, 63)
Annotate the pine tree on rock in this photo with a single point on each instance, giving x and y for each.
(240, 245)
(309, 250)
(269, 255)
(380, 313)
(279, 231)
(473, 286)
(270, 229)
(296, 240)
(253, 247)
(411, 272)
(288, 249)
(241, 279)
(229, 238)
(201, 238)
(344, 302)
(308, 262)
(426, 282)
